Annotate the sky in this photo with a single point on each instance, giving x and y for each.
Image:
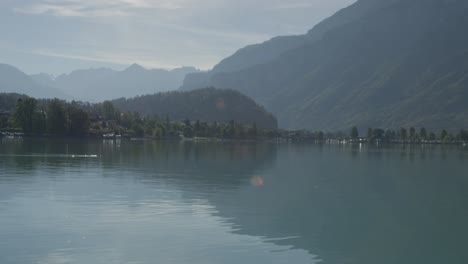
(58, 36)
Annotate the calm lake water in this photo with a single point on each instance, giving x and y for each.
(71, 201)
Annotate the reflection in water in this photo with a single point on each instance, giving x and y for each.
(72, 201)
(354, 205)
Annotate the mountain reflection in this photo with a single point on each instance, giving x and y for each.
(344, 204)
(380, 205)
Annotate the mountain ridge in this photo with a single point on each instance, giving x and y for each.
(383, 68)
(13, 80)
(98, 84)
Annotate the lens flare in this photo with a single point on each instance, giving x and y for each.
(220, 104)
(257, 181)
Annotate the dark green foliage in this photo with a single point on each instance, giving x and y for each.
(463, 135)
(39, 122)
(444, 135)
(403, 134)
(4, 121)
(78, 121)
(59, 118)
(369, 133)
(207, 105)
(378, 134)
(137, 129)
(108, 110)
(56, 117)
(412, 134)
(423, 133)
(24, 114)
(354, 133)
(253, 131)
(320, 135)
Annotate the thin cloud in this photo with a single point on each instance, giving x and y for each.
(108, 58)
(99, 8)
(154, 33)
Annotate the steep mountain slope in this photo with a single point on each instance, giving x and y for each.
(399, 63)
(269, 50)
(13, 80)
(102, 84)
(207, 105)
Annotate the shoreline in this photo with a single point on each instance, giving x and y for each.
(361, 141)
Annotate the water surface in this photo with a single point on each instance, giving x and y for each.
(72, 201)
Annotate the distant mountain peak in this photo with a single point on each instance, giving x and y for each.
(135, 67)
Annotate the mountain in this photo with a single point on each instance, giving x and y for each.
(208, 105)
(267, 51)
(43, 79)
(12, 80)
(374, 64)
(103, 84)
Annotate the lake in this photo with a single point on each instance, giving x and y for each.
(94, 201)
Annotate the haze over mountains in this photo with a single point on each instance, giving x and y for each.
(376, 63)
(93, 84)
(15, 81)
(104, 84)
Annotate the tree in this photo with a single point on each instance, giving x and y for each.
(432, 136)
(39, 122)
(412, 133)
(320, 136)
(187, 122)
(149, 131)
(354, 133)
(56, 117)
(389, 135)
(138, 129)
(168, 123)
(3, 121)
(378, 134)
(197, 129)
(253, 131)
(108, 110)
(369, 133)
(24, 114)
(78, 121)
(423, 133)
(403, 134)
(463, 135)
(162, 129)
(443, 135)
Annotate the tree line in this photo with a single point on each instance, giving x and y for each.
(50, 117)
(412, 135)
(58, 117)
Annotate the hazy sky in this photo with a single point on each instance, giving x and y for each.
(57, 36)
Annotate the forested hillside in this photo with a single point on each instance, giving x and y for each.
(207, 105)
(203, 113)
